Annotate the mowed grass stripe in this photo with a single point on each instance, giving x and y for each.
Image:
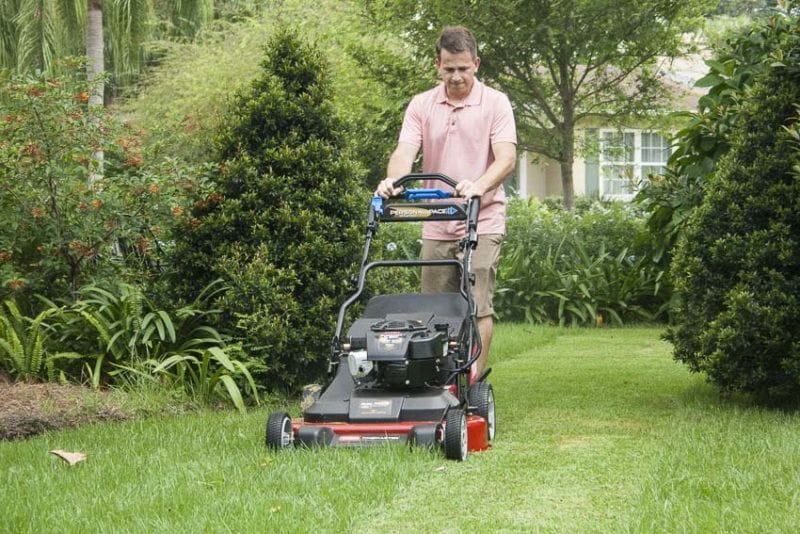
(599, 431)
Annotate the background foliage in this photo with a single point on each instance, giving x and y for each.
(589, 266)
(281, 227)
(59, 230)
(737, 266)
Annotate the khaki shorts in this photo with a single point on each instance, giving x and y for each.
(446, 279)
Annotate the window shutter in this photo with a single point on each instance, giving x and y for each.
(592, 163)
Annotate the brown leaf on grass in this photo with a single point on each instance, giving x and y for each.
(71, 458)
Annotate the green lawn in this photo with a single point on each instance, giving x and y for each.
(598, 430)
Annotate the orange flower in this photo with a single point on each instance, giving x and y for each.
(5, 256)
(82, 206)
(82, 97)
(37, 213)
(177, 211)
(32, 150)
(17, 283)
(34, 91)
(134, 160)
(194, 223)
(97, 203)
(153, 188)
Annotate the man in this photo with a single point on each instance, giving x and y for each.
(466, 131)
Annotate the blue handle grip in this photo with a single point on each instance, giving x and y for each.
(377, 205)
(425, 194)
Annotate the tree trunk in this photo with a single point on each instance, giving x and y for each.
(567, 161)
(95, 69)
(567, 189)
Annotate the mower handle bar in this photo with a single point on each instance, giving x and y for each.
(425, 176)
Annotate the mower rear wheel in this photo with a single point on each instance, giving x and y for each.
(279, 431)
(455, 435)
(481, 399)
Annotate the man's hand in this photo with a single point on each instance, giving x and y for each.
(386, 188)
(468, 189)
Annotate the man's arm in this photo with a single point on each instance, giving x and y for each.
(400, 164)
(505, 159)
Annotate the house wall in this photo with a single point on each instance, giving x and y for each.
(540, 176)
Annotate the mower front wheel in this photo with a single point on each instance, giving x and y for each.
(455, 435)
(279, 431)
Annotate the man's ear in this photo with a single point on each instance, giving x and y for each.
(477, 63)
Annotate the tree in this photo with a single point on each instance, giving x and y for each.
(737, 264)
(111, 33)
(282, 226)
(562, 63)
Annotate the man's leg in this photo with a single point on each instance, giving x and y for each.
(440, 279)
(484, 264)
(485, 327)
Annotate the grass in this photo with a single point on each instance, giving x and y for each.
(598, 431)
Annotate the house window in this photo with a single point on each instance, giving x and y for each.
(627, 158)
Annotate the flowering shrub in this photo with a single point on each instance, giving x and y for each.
(78, 198)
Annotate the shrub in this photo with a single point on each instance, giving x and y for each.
(737, 268)
(587, 266)
(58, 227)
(283, 227)
(705, 138)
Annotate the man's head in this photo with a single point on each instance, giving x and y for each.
(457, 61)
(455, 39)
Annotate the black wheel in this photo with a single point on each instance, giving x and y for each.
(455, 435)
(279, 431)
(481, 400)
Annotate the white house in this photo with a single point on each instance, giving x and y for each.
(623, 158)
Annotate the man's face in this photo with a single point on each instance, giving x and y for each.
(457, 72)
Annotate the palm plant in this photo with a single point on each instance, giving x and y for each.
(122, 327)
(23, 343)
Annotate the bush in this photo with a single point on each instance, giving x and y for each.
(61, 224)
(587, 266)
(283, 227)
(705, 138)
(737, 268)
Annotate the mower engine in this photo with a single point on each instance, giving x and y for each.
(401, 352)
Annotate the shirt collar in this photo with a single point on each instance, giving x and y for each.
(473, 99)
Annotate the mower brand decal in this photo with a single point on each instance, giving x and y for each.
(420, 212)
(375, 407)
(390, 341)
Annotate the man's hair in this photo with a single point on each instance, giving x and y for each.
(456, 39)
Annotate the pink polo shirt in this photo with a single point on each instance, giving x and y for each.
(457, 141)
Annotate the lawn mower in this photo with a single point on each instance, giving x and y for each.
(404, 372)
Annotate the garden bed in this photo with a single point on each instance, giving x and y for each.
(27, 409)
